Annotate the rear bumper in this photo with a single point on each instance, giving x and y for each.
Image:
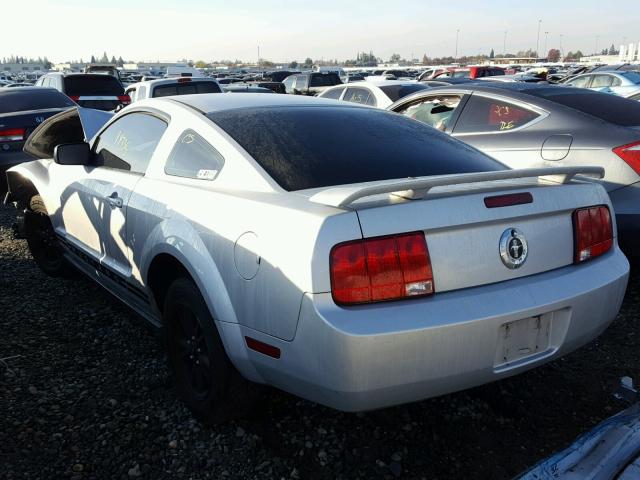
(373, 356)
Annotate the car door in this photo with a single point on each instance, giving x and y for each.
(94, 207)
(501, 128)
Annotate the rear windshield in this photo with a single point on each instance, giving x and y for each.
(311, 147)
(78, 85)
(632, 76)
(33, 99)
(187, 88)
(608, 107)
(396, 92)
(325, 80)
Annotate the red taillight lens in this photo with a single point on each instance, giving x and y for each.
(593, 232)
(382, 268)
(124, 99)
(508, 200)
(12, 135)
(630, 153)
(75, 98)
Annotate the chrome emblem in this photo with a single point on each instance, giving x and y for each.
(513, 248)
(39, 119)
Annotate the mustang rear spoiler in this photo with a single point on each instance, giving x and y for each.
(418, 187)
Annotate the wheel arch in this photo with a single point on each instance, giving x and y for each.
(168, 263)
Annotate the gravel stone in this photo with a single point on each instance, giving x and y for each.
(84, 382)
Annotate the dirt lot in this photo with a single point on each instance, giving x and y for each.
(85, 393)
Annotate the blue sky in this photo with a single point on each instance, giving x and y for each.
(286, 30)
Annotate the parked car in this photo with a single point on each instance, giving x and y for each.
(470, 72)
(634, 96)
(339, 252)
(90, 90)
(21, 111)
(279, 75)
(620, 83)
(539, 125)
(376, 94)
(165, 87)
(311, 83)
(431, 73)
(445, 81)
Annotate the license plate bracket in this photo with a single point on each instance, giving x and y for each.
(522, 339)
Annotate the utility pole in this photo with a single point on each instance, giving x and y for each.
(258, 57)
(504, 44)
(538, 40)
(561, 50)
(457, 33)
(546, 37)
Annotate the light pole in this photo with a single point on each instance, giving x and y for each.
(546, 37)
(561, 50)
(457, 34)
(504, 44)
(538, 40)
(258, 57)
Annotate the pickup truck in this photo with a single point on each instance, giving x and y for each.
(165, 87)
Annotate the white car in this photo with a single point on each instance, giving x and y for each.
(165, 87)
(375, 93)
(342, 253)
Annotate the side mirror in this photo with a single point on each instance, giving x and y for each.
(72, 154)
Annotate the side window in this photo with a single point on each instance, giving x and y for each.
(194, 157)
(333, 94)
(615, 81)
(129, 142)
(288, 83)
(437, 111)
(482, 114)
(357, 95)
(580, 82)
(301, 82)
(601, 81)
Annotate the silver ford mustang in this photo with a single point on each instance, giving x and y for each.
(345, 254)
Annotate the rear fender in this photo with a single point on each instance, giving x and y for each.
(180, 240)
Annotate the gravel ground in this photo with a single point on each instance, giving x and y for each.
(85, 394)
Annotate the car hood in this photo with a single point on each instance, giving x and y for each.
(71, 126)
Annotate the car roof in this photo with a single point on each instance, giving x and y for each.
(215, 102)
(9, 91)
(161, 81)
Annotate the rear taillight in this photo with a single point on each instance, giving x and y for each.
(75, 98)
(381, 268)
(630, 153)
(593, 232)
(12, 135)
(124, 99)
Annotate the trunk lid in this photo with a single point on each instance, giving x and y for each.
(464, 235)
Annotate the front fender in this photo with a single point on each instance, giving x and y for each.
(27, 179)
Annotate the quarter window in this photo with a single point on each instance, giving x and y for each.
(129, 142)
(193, 157)
(482, 115)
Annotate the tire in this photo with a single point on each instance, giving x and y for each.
(205, 378)
(44, 245)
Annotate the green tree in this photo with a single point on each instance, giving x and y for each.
(425, 59)
(293, 64)
(201, 64)
(492, 54)
(104, 58)
(308, 62)
(93, 59)
(395, 58)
